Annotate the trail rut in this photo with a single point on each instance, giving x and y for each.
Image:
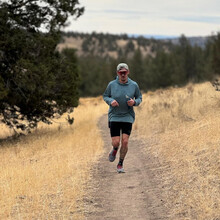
(136, 194)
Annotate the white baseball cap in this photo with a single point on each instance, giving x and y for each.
(122, 66)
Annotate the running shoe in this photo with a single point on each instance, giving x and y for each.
(120, 169)
(112, 155)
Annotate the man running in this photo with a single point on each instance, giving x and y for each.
(121, 95)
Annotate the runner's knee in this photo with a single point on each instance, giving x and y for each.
(124, 142)
(115, 143)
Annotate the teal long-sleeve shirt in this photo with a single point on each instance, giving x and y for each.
(122, 93)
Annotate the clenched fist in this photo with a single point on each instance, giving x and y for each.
(114, 103)
(131, 102)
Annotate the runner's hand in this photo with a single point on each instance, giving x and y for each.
(131, 102)
(114, 103)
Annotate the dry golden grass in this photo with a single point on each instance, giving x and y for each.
(43, 175)
(5, 131)
(183, 125)
(69, 42)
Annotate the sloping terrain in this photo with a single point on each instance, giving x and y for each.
(172, 166)
(111, 45)
(183, 126)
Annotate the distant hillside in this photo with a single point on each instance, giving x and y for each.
(109, 45)
(194, 41)
(153, 63)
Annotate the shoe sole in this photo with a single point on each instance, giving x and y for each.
(111, 160)
(120, 171)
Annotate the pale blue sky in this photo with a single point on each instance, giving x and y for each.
(149, 17)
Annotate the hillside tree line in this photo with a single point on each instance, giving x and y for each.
(171, 64)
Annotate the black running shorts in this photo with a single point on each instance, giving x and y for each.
(116, 127)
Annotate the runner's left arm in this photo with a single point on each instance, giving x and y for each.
(138, 96)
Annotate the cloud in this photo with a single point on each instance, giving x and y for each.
(171, 17)
(201, 19)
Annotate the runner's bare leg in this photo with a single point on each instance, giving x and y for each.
(116, 141)
(124, 146)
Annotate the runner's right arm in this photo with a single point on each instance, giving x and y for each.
(107, 95)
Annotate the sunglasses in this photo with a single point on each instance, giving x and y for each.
(123, 72)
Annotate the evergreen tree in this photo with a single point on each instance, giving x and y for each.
(187, 58)
(216, 54)
(130, 46)
(162, 70)
(137, 68)
(35, 81)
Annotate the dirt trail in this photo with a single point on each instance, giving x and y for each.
(136, 194)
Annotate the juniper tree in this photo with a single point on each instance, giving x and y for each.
(216, 54)
(36, 81)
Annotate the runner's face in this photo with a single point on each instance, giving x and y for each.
(123, 75)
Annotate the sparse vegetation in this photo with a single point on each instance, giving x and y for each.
(182, 125)
(43, 175)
